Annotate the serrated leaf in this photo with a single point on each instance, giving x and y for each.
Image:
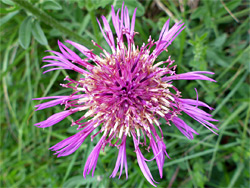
(25, 32)
(38, 33)
(51, 5)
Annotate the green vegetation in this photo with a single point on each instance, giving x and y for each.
(215, 39)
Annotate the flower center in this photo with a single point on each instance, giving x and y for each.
(128, 94)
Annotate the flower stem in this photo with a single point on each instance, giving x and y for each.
(47, 19)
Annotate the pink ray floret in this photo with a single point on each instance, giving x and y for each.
(122, 93)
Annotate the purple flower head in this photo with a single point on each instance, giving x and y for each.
(123, 94)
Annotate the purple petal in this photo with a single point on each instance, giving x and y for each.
(121, 160)
(142, 164)
(184, 128)
(189, 76)
(71, 144)
(55, 118)
(195, 102)
(92, 159)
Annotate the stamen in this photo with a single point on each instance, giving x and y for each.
(160, 113)
(80, 89)
(89, 113)
(164, 108)
(121, 131)
(149, 118)
(165, 101)
(84, 108)
(111, 131)
(156, 122)
(116, 124)
(138, 132)
(127, 131)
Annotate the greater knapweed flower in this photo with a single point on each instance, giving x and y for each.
(123, 94)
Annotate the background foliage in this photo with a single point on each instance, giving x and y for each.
(216, 39)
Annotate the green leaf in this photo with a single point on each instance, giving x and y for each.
(89, 5)
(51, 5)
(237, 174)
(219, 41)
(203, 37)
(131, 6)
(199, 13)
(38, 33)
(6, 18)
(231, 5)
(25, 32)
(213, 56)
(80, 3)
(199, 51)
(101, 3)
(78, 180)
(94, 4)
(8, 2)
